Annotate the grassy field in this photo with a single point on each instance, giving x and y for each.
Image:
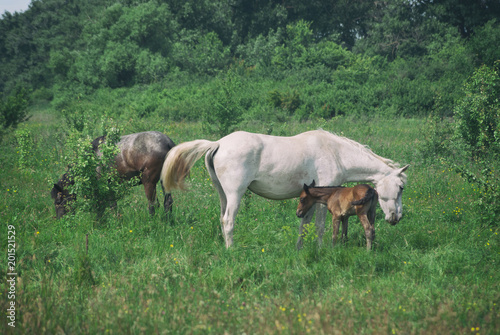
(435, 272)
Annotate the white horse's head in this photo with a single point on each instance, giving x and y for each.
(390, 192)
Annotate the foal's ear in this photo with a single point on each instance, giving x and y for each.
(403, 169)
(306, 188)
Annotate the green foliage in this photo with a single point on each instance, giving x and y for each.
(477, 134)
(484, 174)
(260, 50)
(13, 110)
(200, 53)
(226, 108)
(390, 58)
(83, 275)
(478, 113)
(437, 134)
(293, 52)
(288, 101)
(484, 43)
(127, 45)
(25, 150)
(96, 181)
(300, 49)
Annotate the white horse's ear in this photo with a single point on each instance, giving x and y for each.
(403, 169)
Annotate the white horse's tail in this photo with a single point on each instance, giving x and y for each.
(180, 159)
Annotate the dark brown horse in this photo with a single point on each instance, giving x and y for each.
(141, 154)
(343, 202)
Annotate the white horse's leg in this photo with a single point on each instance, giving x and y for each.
(223, 206)
(228, 220)
(305, 220)
(320, 222)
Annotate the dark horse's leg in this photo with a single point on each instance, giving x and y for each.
(150, 189)
(167, 202)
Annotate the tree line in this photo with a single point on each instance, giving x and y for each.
(405, 54)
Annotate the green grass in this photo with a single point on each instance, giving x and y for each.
(434, 272)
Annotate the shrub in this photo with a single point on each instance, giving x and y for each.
(226, 111)
(96, 181)
(202, 54)
(477, 138)
(13, 110)
(288, 101)
(478, 113)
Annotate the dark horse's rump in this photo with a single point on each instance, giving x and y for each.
(141, 154)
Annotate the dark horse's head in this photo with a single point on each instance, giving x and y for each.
(62, 197)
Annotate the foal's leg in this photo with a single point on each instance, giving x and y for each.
(345, 224)
(336, 226)
(369, 230)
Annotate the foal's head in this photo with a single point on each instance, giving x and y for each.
(306, 200)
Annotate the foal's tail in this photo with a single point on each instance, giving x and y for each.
(179, 161)
(370, 193)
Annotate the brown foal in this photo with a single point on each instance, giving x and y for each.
(343, 202)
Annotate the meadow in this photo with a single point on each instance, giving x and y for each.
(434, 272)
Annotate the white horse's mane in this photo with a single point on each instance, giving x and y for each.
(364, 148)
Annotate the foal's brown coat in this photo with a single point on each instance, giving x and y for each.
(343, 202)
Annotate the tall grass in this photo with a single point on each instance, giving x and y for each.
(433, 272)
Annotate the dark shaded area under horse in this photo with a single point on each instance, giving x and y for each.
(141, 154)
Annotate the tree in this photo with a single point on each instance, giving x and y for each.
(121, 44)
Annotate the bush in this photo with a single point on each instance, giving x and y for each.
(96, 181)
(478, 113)
(477, 138)
(288, 101)
(13, 110)
(260, 51)
(201, 54)
(227, 110)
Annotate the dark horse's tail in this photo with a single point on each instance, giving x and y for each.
(370, 193)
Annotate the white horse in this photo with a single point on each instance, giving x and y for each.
(277, 168)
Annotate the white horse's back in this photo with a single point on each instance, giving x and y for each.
(272, 166)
